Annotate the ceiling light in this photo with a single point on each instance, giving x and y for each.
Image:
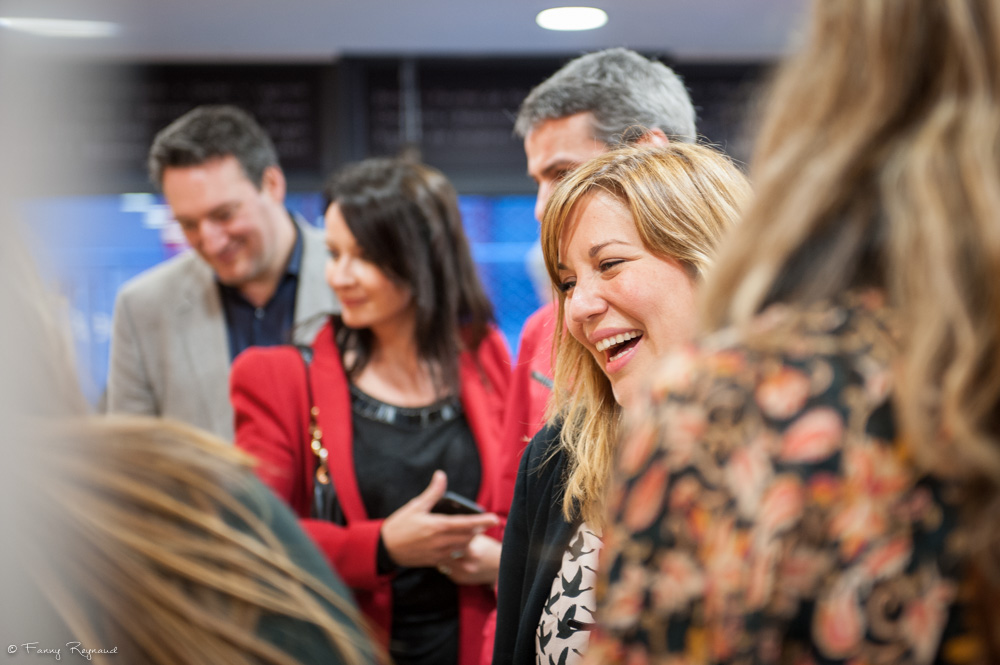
(571, 18)
(51, 27)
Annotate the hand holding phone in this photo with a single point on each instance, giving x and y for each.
(456, 504)
(416, 537)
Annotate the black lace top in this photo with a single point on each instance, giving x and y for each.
(396, 451)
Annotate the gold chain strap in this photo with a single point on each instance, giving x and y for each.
(316, 434)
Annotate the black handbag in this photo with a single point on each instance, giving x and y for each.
(325, 505)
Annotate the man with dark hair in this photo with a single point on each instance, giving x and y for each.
(596, 102)
(254, 277)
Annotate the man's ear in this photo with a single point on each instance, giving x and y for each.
(653, 137)
(273, 183)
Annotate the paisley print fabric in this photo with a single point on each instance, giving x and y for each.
(568, 615)
(766, 509)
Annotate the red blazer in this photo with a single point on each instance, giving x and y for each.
(268, 391)
(527, 398)
(524, 416)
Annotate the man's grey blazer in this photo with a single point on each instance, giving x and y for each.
(170, 347)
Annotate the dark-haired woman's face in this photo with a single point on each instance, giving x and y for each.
(368, 298)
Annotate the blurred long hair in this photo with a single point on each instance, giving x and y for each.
(878, 164)
(170, 557)
(683, 199)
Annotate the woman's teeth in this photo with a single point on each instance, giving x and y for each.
(620, 354)
(608, 342)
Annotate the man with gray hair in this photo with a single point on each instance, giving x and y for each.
(594, 103)
(597, 102)
(254, 277)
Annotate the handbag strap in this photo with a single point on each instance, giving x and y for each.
(315, 433)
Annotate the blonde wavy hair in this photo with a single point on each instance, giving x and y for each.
(683, 199)
(878, 164)
(172, 560)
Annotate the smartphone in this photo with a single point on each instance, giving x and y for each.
(456, 504)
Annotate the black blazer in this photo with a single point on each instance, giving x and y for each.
(535, 539)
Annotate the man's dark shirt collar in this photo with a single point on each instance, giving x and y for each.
(272, 323)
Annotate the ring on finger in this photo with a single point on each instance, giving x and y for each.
(457, 554)
(444, 570)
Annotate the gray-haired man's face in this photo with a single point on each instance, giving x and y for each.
(554, 148)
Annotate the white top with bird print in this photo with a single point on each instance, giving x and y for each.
(568, 615)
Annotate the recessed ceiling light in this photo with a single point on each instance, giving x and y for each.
(52, 27)
(571, 18)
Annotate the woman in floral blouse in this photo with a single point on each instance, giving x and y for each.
(818, 482)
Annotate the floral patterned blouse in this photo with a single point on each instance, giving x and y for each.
(765, 509)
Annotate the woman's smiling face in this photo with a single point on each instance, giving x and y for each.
(368, 297)
(624, 304)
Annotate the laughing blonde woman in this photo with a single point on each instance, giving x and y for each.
(627, 239)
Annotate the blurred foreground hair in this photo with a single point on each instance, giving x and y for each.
(879, 165)
(171, 560)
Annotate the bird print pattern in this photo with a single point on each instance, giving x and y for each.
(568, 615)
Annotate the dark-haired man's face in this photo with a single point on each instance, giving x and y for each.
(230, 223)
(554, 148)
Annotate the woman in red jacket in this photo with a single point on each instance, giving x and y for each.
(406, 387)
